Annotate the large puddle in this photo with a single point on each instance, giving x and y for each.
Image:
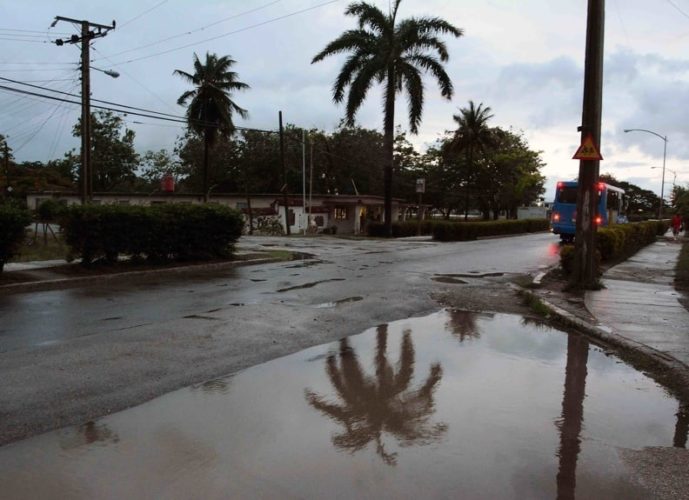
(453, 405)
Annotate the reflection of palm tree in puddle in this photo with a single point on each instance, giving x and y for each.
(463, 325)
(371, 405)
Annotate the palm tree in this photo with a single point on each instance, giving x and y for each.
(211, 106)
(393, 53)
(471, 138)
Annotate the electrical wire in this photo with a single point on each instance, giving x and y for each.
(677, 8)
(126, 73)
(92, 99)
(22, 40)
(138, 16)
(247, 28)
(164, 116)
(32, 31)
(31, 137)
(202, 28)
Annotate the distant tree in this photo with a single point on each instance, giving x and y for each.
(394, 53)
(113, 157)
(210, 105)
(681, 202)
(445, 178)
(221, 171)
(510, 176)
(640, 202)
(155, 164)
(470, 140)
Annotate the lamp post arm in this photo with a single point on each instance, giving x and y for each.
(647, 131)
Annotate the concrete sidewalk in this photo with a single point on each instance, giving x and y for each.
(640, 303)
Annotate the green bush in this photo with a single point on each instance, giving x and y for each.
(50, 210)
(617, 242)
(179, 232)
(13, 222)
(401, 229)
(465, 231)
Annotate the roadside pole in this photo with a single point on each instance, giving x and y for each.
(303, 179)
(6, 191)
(585, 273)
(284, 175)
(420, 189)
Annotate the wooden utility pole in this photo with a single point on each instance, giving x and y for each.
(585, 273)
(284, 175)
(99, 31)
(7, 168)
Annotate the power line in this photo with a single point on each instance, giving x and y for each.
(158, 116)
(33, 31)
(78, 96)
(22, 40)
(166, 104)
(42, 63)
(202, 28)
(678, 9)
(142, 14)
(228, 33)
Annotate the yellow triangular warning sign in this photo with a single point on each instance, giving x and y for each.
(588, 150)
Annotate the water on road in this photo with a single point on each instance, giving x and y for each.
(451, 405)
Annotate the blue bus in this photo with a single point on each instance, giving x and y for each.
(609, 208)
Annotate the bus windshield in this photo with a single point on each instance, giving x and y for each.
(566, 194)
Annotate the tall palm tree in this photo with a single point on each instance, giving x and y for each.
(211, 107)
(472, 137)
(393, 53)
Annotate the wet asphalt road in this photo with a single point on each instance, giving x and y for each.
(340, 271)
(70, 356)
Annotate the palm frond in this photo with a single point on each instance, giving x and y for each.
(415, 91)
(354, 40)
(371, 16)
(185, 97)
(346, 75)
(358, 89)
(433, 66)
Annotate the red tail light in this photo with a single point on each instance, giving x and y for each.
(556, 217)
(599, 220)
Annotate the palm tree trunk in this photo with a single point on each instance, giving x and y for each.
(206, 143)
(388, 146)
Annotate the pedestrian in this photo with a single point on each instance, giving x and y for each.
(676, 224)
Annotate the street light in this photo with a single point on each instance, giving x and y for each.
(662, 186)
(109, 72)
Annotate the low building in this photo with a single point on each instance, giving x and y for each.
(343, 214)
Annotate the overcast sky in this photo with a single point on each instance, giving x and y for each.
(524, 59)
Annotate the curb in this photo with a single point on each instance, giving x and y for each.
(655, 358)
(33, 286)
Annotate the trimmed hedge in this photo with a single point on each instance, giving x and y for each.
(618, 242)
(171, 231)
(13, 222)
(400, 229)
(466, 231)
(459, 231)
(623, 240)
